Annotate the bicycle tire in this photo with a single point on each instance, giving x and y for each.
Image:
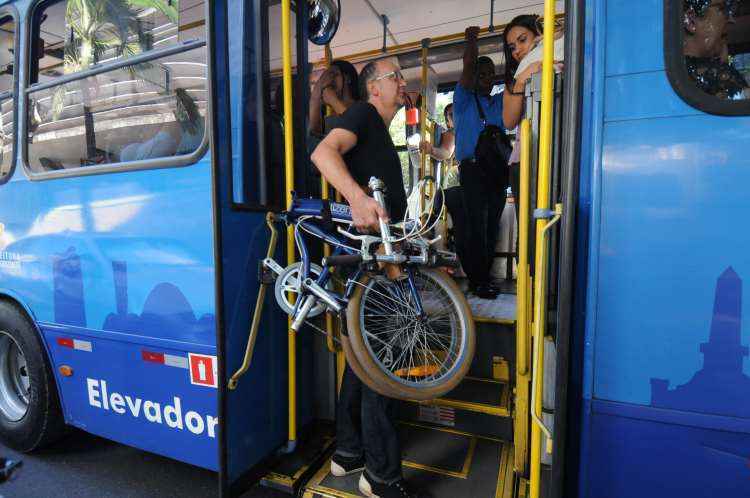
(359, 371)
(376, 374)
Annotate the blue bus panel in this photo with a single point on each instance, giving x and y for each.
(666, 379)
(105, 262)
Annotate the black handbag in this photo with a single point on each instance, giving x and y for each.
(493, 146)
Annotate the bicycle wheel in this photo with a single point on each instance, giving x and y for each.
(411, 356)
(353, 362)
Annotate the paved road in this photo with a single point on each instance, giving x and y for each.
(86, 466)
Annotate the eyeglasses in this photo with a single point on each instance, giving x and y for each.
(397, 75)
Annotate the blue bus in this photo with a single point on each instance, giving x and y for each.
(144, 142)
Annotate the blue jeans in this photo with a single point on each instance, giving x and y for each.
(364, 425)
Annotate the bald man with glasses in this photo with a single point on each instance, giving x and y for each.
(357, 148)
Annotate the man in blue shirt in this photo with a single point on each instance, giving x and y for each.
(483, 184)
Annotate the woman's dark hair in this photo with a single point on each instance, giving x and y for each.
(528, 21)
(350, 76)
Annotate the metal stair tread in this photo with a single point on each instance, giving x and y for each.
(501, 310)
(478, 395)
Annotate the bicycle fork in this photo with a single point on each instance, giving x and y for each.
(414, 293)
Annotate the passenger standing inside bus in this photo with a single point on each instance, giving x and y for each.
(454, 200)
(706, 51)
(483, 181)
(357, 148)
(522, 48)
(336, 88)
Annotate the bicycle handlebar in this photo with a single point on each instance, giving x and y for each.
(343, 260)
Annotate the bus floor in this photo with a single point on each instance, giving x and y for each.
(86, 466)
(441, 461)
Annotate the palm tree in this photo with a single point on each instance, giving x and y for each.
(99, 27)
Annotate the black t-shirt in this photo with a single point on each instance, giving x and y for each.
(374, 155)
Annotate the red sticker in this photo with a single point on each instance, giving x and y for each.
(203, 370)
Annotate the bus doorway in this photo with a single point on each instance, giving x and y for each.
(475, 440)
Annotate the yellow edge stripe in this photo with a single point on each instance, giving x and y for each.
(278, 478)
(503, 410)
(463, 474)
(500, 411)
(502, 473)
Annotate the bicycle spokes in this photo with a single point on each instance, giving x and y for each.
(413, 347)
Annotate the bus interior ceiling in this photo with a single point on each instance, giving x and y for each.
(450, 445)
(360, 34)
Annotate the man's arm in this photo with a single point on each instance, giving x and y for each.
(470, 58)
(328, 157)
(444, 151)
(514, 94)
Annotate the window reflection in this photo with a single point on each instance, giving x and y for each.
(7, 70)
(146, 111)
(149, 110)
(716, 45)
(74, 35)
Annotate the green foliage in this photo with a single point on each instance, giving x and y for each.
(102, 26)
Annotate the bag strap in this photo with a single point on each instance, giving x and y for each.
(481, 111)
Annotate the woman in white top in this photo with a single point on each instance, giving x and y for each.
(522, 47)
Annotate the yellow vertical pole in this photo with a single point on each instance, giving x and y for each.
(423, 133)
(543, 202)
(326, 194)
(286, 48)
(523, 319)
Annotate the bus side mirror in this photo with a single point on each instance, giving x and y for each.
(323, 20)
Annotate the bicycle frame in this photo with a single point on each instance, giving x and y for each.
(312, 216)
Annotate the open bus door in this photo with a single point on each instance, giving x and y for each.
(459, 445)
(266, 376)
(250, 427)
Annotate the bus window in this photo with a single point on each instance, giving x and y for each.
(709, 54)
(103, 111)
(7, 72)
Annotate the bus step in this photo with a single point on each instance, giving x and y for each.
(478, 406)
(291, 471)
(501, 310)
(488, 396)
(444, 462)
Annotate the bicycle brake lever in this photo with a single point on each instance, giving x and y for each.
(362, 238)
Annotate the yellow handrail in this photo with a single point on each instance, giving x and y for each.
(522, 306)
(326, 194)
(543, 203)
(250, 348)
(539, 322)
(424, 158)
(286, 50)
